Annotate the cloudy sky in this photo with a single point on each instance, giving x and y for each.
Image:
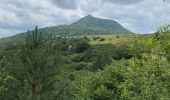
(142, 16)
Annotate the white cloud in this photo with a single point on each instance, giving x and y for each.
(7, 32)
(124, 1)
(137, 15)
(66, 4)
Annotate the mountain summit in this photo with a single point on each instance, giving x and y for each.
(102, 25)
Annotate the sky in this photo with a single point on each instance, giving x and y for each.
(139, 16)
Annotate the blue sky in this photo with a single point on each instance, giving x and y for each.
(141, 16)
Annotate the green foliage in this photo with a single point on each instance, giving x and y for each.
(36, 68)
(117, 36)
(69, 68)
(105, 84)
(101, 62)
(112, 51)
(140, 78)
(102, 39)
(96, 38)
(81, 47)
(140, 45)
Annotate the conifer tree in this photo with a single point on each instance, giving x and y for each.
(38, 68)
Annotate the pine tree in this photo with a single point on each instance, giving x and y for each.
(38, 68)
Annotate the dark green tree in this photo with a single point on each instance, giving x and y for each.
(101, 62)
(81, 47)
(37, 68)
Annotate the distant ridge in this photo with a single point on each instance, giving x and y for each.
(85, 25)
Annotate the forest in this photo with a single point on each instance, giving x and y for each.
(73, 68)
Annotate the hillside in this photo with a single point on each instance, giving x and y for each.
(104, 26)
(87, 25)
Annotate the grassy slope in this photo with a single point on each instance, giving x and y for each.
(113, 39)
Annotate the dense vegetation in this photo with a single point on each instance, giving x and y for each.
(63, 68)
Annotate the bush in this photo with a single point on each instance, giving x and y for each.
(101, 62)
(102, 39)
(96, 38)
(81, 47)
(117, 36)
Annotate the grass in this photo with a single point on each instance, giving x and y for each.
(110, 39)
(113, 39)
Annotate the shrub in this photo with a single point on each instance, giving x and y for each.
(96, 38)
(117, 36)
(102, 39)
(81, 47)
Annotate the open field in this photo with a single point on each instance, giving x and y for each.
(113, 39)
